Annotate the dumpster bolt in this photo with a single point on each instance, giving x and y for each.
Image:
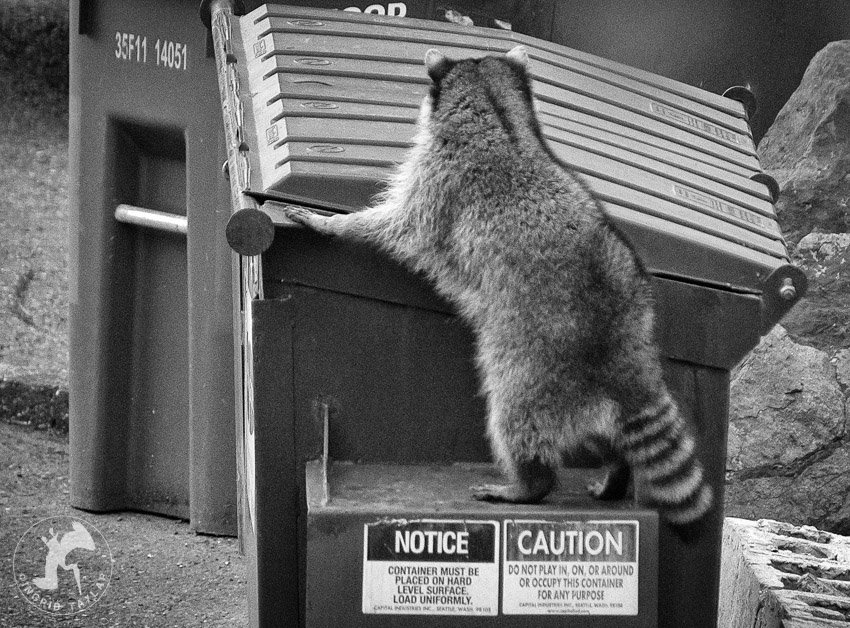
(788, 291)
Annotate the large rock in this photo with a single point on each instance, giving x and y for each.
(786, 405)
(817, 494)
(807, 149)
(822, 319)
(788, 449)
(789, 455)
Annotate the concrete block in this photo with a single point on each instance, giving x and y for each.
(777, 575)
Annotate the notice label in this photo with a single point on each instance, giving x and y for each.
(431, 567)
(570, 568)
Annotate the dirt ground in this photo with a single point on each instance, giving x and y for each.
(163, 574)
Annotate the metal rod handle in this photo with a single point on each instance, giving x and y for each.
(152, 218)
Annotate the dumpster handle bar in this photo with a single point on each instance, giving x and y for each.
(152, 218)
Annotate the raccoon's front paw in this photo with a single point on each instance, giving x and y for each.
(301, 216)
(313, 222)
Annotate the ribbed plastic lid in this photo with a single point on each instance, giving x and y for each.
(335, 97)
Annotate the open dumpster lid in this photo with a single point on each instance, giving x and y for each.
(328, 101)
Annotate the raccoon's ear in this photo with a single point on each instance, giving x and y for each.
(518, 54)
(436, 64)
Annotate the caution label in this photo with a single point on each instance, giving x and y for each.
(570, 568)
(431, 567)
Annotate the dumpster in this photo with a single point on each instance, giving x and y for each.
(362, 427)
(151, 375)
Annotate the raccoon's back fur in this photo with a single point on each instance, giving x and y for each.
(560, 303)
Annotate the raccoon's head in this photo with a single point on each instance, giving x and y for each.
(477, 94)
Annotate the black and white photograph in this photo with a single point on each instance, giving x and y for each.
(424, 314)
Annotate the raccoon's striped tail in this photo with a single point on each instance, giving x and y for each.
(667, 473)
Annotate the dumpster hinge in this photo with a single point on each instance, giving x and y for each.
(781, 290)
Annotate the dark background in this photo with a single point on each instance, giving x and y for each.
(713, 44)
(765, 45)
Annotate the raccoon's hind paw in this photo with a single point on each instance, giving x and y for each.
(614, 486)
(533, 481)
(603, 491)
(489, 493)
(512, 493)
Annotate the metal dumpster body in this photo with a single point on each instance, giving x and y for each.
(359, 398)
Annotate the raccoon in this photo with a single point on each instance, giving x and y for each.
(559, 301)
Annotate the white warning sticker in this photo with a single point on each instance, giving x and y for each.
(570, 568)
(431, 567)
